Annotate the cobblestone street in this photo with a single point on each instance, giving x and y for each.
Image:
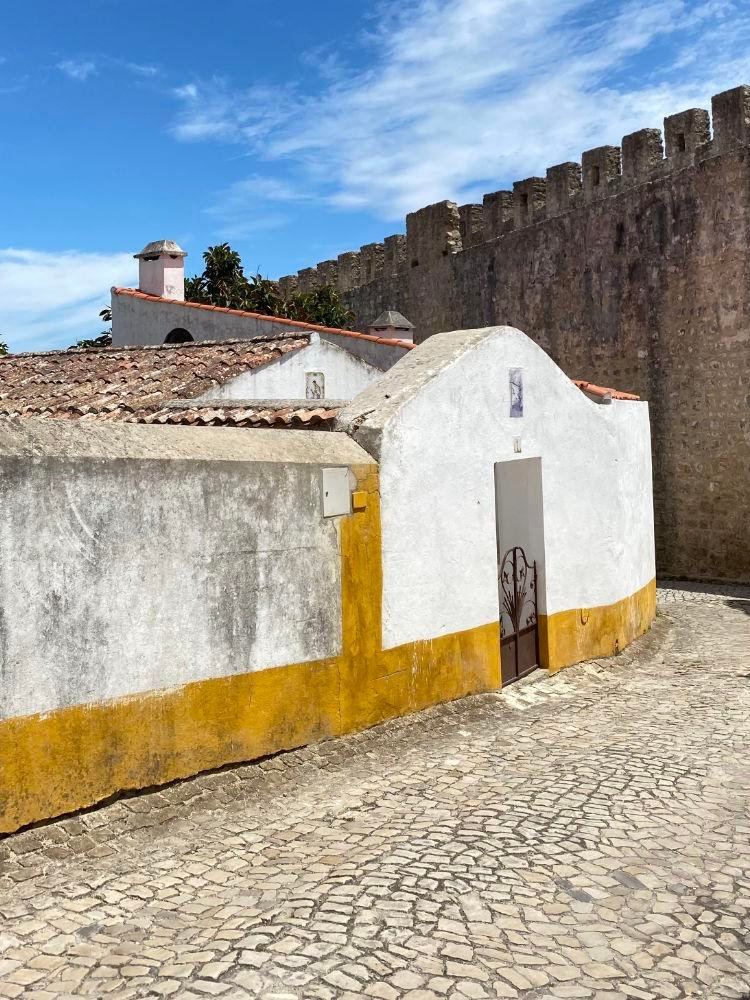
(581, 836)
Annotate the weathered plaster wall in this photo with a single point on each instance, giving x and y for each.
(225, 702)
(380, 356)
(440, 576)
(140, 571)
(284, 378)
(173, 600)
(631, 270)
(143, 321)
(146, 322)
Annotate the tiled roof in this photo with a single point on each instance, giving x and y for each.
(138, 383)
(294, 413)
(603, 391)
(293, 324)
(110, 383)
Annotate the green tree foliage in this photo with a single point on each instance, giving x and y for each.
(103, 340)
(323, 305)
(105, 337)
(3, 349)
(224, 283)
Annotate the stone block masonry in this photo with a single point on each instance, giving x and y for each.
(632, 269)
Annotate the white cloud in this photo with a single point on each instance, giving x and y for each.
(464, 96)
(256, 189)
(251, 206)
(81, 69)
(141, 69)
(15, 86)
(12, 86)
(187, 93)
(212, 111)
(52, 299)
(77, 69)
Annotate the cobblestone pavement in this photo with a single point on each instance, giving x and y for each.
(583, 836)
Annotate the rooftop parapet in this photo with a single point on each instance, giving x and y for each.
(348, 275)
(432, 232)
(498, 213)
(529, 199)
(471, 224)
(641, 152)
(563, 184)
(730, 112)
(394, 254)
(371, 262)
(444, 228)
(599, 166)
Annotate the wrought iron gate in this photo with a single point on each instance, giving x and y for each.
(519, 636)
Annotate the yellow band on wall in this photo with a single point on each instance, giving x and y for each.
(71, 758)
(568, 637)
(74, 757)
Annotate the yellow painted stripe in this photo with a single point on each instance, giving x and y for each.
(568, 637)
(74, 757)
(71, 758)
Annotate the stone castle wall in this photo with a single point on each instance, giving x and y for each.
(631, 269)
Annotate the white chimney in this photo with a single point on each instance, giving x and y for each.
(161, 270)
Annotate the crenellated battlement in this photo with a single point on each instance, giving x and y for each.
(446, 228)
(630, 267)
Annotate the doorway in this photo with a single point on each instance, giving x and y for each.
(520, 563)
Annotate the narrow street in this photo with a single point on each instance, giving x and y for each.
(581, 836)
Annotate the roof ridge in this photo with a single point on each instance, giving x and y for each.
(263, 403)
(191, 344)
(136, 293)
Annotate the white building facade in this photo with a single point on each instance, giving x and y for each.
(334, 364)
(484, 446)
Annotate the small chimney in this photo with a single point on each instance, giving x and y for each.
(161, 270)
(393, 325)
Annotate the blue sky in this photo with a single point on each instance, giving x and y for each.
(297, 131)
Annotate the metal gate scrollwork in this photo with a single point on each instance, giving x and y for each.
(519, 637)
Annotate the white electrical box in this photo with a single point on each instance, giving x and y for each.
(337, 494)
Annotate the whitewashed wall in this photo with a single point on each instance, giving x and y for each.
(439, 421)
(146, 322)
(137, 558)
(143, 321)
(345, 375)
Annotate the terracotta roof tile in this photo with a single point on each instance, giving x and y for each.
(109, 383)
(603, 391)
(137, 383)
(295, 414)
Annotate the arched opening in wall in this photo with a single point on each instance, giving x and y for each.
(178, 336)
